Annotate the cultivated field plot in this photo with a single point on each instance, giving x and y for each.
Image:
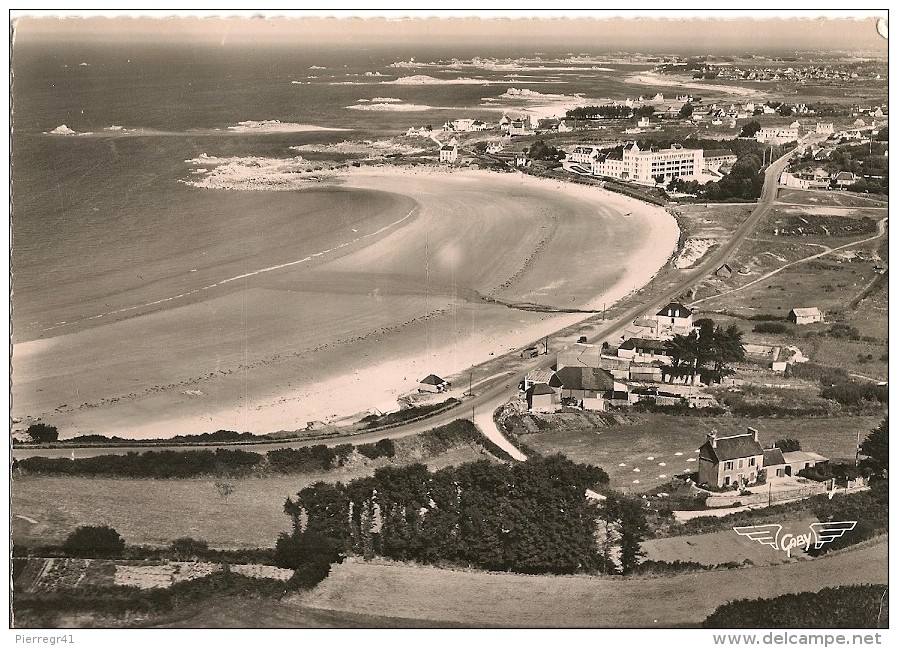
(655, 447)
(513, 600)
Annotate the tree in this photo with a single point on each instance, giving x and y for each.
(750, 129)
(788, 445)
(686, 110)
(94, 541)
(875, 448)
(42, 433)
(188, 548)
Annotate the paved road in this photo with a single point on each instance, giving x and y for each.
(484, 402)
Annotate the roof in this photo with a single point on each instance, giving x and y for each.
(801, 455)
(642, 343)
(432, 379)
(806, 312)
(588, 378)
(729, 448)
(447, 147)
(539, 376)
(773, 457)
(540, 389)
(674, 309)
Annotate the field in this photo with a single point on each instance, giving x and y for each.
(155, 512)
(511, 600)
(645, 441)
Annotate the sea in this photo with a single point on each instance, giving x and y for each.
(100, 211)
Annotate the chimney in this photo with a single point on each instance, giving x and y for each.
(754, 433)
(712, 438)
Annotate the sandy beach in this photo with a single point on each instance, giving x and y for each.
(292, 342)
(682, 81)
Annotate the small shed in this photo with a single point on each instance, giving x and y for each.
(725, 271)
(542, 398)
(433, 384)
(805, 315)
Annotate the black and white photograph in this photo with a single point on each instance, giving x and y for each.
(433, 320)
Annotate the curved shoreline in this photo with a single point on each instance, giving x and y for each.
(290, 407)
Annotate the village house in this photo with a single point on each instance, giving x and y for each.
(824, 128)
(542, 399)
(579, 355)
(433, 384)
(843, 179)
(584, 155)
(642, 351)
(777, 134)
(448, 153)
(589, 387)
(724, 272)
(535, 377)
(730, 461)
(494, 147)
(805, 315)
(674, 319)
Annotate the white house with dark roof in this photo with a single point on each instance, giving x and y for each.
(448, 153)
(592, 388)
(675, 319)
(730, 461)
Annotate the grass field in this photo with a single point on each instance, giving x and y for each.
(157, 511)
(481, 599)
(646, 441)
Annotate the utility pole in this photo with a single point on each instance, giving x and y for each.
(857, 449)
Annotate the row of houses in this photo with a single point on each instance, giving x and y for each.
(811, 180)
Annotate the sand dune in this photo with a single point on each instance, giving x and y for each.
(284, 343)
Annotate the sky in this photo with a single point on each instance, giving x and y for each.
(592, 30)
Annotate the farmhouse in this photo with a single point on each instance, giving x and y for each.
(730, 461)
(805, 315)
(434, 384)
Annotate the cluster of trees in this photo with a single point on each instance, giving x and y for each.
(42, 433)
(607, 111)
(539, 150)
(531, 517)
(851, 606)
(708, 350)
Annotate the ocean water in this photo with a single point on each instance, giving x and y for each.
(97, 217)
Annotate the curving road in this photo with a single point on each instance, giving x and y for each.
(481, 406)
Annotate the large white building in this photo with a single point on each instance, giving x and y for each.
(641, 165)
(777, 134)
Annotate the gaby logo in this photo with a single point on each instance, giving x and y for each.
(821, 533)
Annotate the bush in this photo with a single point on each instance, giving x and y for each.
(772, 327)
(383, 448)
(853, 606)
(788, 445)
(855, 394)
(94, 541)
